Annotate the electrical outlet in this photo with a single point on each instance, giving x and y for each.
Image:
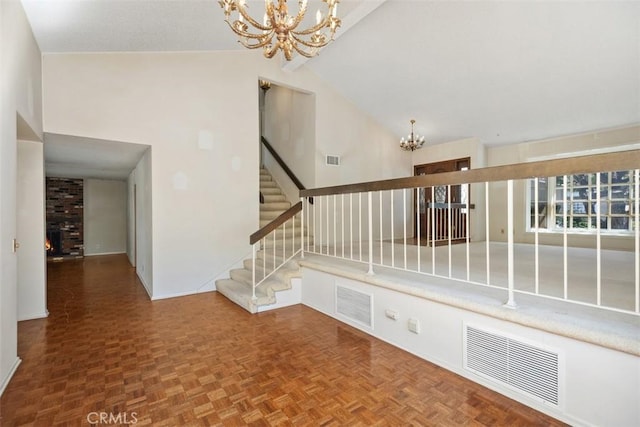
(392, 314)
(414, 325)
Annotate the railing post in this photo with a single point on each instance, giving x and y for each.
(511, 302)
(301, 228)
(370, 215)
(253, 272)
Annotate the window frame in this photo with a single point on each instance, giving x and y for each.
(555, 204)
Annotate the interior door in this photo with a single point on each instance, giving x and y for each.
(434, 205)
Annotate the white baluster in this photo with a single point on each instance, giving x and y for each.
(253, 272)
(536, 244)
(404, 224)
(370, 217)
(486, 228)
(598, 244)
(511, 302)
(565, 260)
(449, 227)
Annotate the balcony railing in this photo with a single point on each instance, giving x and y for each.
(385, 224)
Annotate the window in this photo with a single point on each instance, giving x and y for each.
(576, 205)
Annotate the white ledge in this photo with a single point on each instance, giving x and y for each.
(609, 329)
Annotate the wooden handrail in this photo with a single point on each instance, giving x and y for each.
(281, 219)
(568, 166)
(282, 164)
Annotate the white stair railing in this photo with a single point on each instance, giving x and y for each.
(276, 243)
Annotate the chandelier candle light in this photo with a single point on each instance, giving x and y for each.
(413, 141)
(277, 22)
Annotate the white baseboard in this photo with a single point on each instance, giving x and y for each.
(5, 381)
(105, 253)
(33, 316)
(144, 284)
(179, 294)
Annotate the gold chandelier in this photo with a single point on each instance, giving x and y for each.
(413, 141)
(277, 22)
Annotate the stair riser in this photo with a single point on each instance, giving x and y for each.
(260, 267)
(271, 198)
(246, 275)
(270, 214)
(275, 206)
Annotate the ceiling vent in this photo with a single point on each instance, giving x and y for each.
(333, 160)
(522, 367)
(355, 305)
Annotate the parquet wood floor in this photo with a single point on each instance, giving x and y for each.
(201, 360)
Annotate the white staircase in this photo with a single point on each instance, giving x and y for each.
(238, 288)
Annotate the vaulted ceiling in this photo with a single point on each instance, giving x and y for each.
(502, 71)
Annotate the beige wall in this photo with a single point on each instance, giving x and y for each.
(199, 113)
(105, 216)
(20, 77)
(289, 126)
(32, 290)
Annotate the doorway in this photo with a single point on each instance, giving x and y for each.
(443, 209)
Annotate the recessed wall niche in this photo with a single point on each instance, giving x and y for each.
(65, 209)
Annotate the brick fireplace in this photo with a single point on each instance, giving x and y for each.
(64, 208)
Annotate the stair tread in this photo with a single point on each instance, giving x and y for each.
(238, 288)
(270, 190)
(276, 281)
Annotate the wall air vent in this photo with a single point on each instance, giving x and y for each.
(355, 305)
(523, 367)
(333, 160)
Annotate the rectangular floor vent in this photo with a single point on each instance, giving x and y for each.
(521, 366)
(355, 305)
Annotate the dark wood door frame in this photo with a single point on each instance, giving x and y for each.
(437, 167)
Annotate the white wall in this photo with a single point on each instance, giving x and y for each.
(32, 289)
(131, 217)
(289, 126)
(143, 222)
(105, 217)
(601, 386)
(20, 76)
(205, 146)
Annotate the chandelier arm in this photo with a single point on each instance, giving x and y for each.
(262, 43)
(242, 11)
(310, 44)
(302, 51)
(318, 27)
(248, 35)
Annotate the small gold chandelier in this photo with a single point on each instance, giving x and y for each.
(278, 22)
(413, 141)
